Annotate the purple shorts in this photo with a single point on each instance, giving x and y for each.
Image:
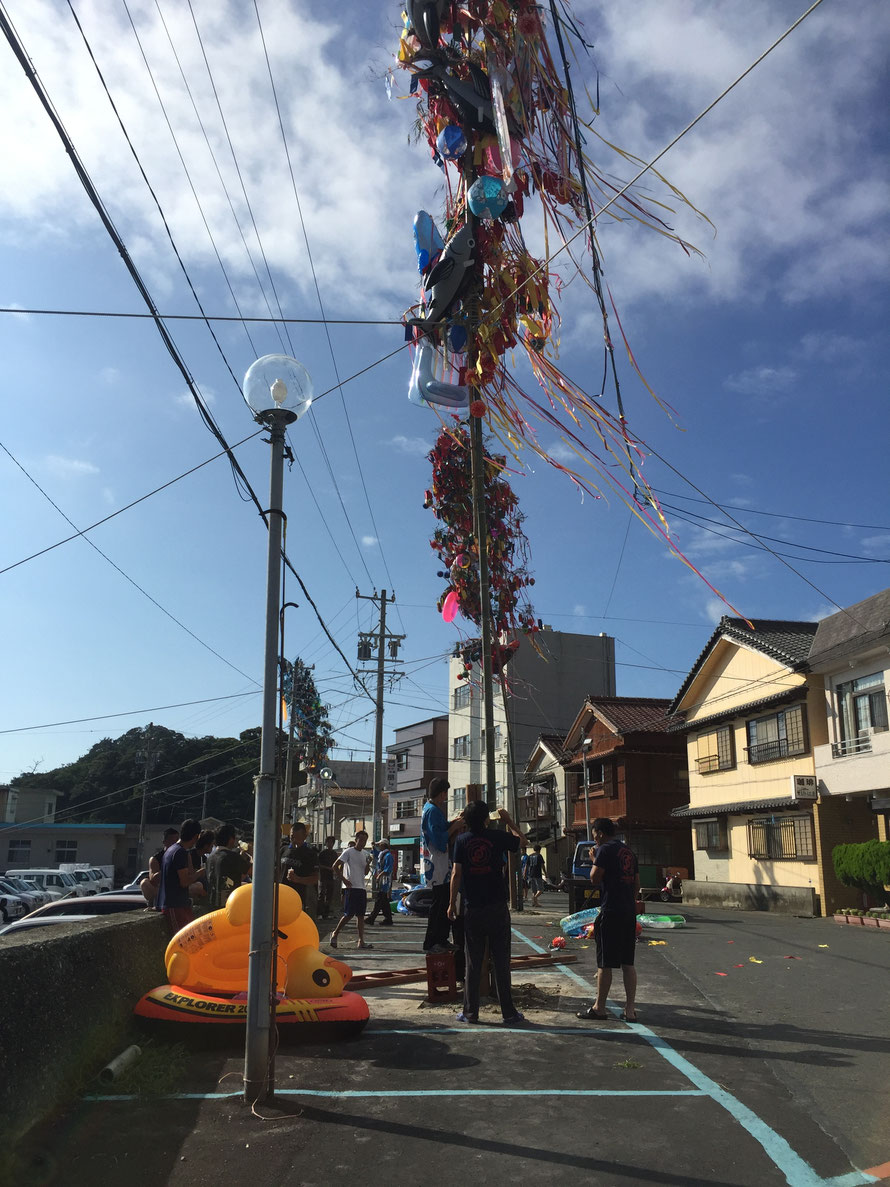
(354, 901)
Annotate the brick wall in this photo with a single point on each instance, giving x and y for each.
(839, 821)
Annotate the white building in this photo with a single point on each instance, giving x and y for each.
(546, 682)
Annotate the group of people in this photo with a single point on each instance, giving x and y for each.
(194, 864)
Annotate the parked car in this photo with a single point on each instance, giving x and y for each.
(31, 897)
(89, 877)
(49, 879)
(136, 883)
(34, 920)
(103, 881)
(11, 907)
(88, 908)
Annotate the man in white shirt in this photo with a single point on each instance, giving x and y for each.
(351, 867)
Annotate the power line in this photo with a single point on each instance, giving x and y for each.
(291, 321)
(126, 576)
(46, 725)
(876, 527)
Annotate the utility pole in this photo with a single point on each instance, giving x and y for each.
(365, 646)
(204, 799)
(149, 759)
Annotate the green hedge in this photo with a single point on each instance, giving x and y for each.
(866, 865)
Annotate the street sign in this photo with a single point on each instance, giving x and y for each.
(804, 787)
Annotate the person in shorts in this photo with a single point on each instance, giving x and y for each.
(534, 871)
(352, 867)
(616, 872)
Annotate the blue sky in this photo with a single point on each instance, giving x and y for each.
(772, 351)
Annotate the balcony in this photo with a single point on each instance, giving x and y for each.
(538, 807)
(861, 744)
(772, 751)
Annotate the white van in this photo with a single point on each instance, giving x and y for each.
(90, 877)
(48, 879)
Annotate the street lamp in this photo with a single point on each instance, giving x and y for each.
(585, 746)
(278, 391)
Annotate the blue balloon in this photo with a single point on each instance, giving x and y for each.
(487, 197)
(428, 243)
(451, 142)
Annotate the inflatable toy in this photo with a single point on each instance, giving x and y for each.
(207, 964)
(428, 243)
(451, 144)
(425, 388)
(487, 197)
(443, 285)
(579, 923)
(416, 902)
(450, 607)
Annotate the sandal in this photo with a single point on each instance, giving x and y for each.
(636, 1017)
(591, 1013)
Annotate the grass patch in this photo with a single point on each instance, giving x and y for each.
(157, 1071)
(627, 1063)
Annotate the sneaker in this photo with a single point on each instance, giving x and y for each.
(332, 943)
(516, 1019)
(362, 944)
(464, 1017)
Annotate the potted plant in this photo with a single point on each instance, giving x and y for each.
(869, 920)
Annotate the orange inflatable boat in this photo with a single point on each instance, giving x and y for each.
(207, 966)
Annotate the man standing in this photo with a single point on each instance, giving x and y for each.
(226, 867)
(352, 866)
(535, 873)
(383, 879)
(177, 874)
(435, 834)
(616, 872)
(326, 860)
(478, 873)
(299, 868)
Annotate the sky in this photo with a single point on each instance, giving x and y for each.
(770, 351)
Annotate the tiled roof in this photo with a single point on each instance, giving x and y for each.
(777, 698)
(739, 806)
(786, 641)
(628, 715)
(854, 629)
(554, 743)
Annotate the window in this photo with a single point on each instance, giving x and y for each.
(653, 849)
(775, 838)
(716, 750)
(862, 711)
(50, 809)
(402, 760)
(460, 747)
(778, 736)
(459, 795)
(595, 773)
(406, 808)
(711, 834)
(132, 856)
(66, 851)
(497, 738)
(462, 696)
(19, 851)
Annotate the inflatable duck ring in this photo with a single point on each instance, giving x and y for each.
(207, 964)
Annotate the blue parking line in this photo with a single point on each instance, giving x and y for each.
(797, 1172)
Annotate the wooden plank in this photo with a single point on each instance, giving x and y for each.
(406, 976)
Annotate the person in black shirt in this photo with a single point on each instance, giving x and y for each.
(478, 874)
(299, 868)
(326, 860)
(616, 872)
(226, 867)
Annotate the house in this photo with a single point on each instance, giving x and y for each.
(753, 717)
(19, 804)
(30, 845)
(418, 755)
(545, 681)
(545, 801)
(628, 765)
(338, 805)
(851, 651)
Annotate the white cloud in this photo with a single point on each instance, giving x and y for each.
(878, 546)
(579, 610)
(19, 316)
(185, 399)
(761, 381)
(369, 541)
(110, 376)
(829, 347)
(415, 445)
(65, 468)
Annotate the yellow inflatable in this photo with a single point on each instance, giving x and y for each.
(210, 953)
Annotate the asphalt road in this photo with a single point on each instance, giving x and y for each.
(772, 1073)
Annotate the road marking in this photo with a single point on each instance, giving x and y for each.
(796, 1170)
(358, 1093)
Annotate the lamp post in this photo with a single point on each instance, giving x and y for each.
(585, 746)
(278, 391)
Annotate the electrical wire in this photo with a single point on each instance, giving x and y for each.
(291, 321)
(21, 729)
(126, 576)
(875, 527)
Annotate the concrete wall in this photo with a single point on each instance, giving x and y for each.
(68, 995)
(783, 900)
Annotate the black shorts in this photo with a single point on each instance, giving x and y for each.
(616, 937)
(354, 901)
